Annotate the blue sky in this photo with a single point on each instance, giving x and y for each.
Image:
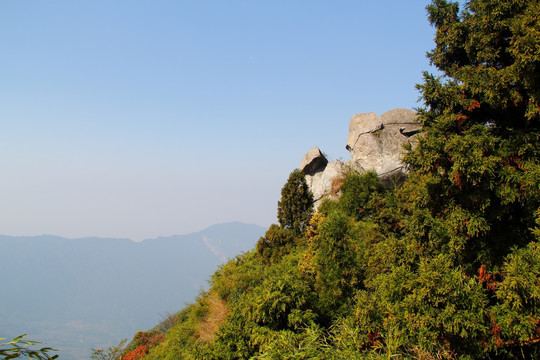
(141, 119)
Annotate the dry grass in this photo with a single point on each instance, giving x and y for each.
(217, 313)
(336, 185)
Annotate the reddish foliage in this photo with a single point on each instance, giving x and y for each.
(149, 338)
(496, 333)
(373, 337)
(475, 104)
(487, 279)
(460, 120)
(457, 178)
(136, 354)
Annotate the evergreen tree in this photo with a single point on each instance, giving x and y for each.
(479, 158)
(470, 205)
(296, 205)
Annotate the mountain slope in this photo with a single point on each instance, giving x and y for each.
(76, 294)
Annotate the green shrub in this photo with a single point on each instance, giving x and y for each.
(357, 191)
(276, 243)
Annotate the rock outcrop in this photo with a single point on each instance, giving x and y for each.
(375, 143)
(322, 177)
(313, 161)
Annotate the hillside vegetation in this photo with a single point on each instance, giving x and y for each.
(444, 266)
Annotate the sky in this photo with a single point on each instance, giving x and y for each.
(138, 119)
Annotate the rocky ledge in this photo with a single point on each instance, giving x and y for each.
(375, 143)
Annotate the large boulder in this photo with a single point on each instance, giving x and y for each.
(326, 182)
(376, 143)
(313, 161)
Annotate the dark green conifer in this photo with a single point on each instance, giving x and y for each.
(469, 205)
(296, 205)
(479, 158)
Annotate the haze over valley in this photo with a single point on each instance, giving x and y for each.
(77, 294)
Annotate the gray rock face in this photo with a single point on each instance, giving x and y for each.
(314, 160)
(325, 182)
(376, 143)
(361, 124)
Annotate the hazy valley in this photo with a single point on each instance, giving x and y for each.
(77, 294)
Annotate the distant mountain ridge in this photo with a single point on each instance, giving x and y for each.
(76, 294)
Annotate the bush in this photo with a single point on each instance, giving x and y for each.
(276, 243)
(357, 191)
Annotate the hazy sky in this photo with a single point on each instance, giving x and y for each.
(140, 119)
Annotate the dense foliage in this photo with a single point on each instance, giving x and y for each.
(296, 204)
(446, 266)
